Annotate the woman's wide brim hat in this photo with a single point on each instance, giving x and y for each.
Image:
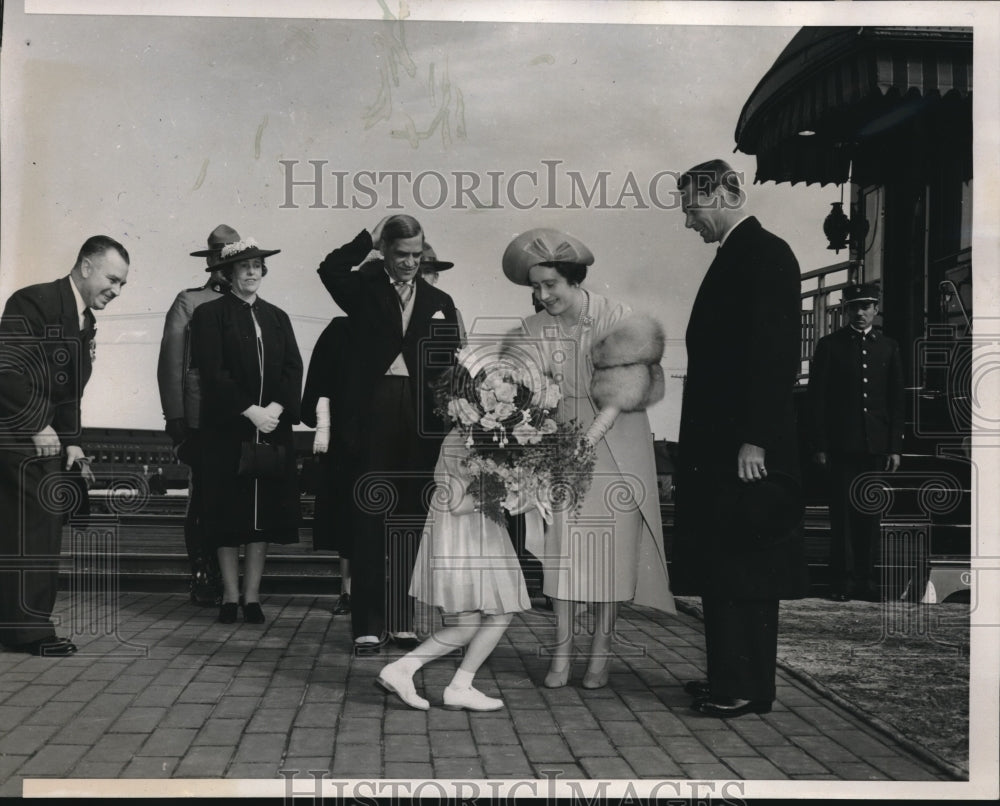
(241, 250)
(542, 246)
(429, 261)
(217, 238)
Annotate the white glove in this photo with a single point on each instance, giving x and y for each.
(263, 420)
(601, 425)
(321, 441)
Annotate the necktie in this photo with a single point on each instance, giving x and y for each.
(404, 291)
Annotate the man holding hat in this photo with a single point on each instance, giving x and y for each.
(857, 409)
(180, 397)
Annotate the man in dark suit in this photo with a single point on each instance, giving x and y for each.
(737, 441)
(857, 407)
(46, 355)
(405, 333)
(180, 396)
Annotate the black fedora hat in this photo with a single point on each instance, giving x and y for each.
(429, 261)
(217, 238)
(756, 515)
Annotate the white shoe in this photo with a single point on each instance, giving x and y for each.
(455, 699)
(395, 680)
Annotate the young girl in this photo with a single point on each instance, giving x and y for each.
(467, 566)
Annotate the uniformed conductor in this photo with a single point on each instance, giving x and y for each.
(180, 397)
(856, 402)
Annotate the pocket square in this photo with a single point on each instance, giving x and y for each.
(438, 315)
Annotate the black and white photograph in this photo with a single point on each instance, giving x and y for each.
(448, 399)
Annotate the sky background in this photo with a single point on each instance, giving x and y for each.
(153, 130)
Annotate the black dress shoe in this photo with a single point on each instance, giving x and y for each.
(343, 607)
(252, 613)
(727, 707)
(698, 688)
(51, 647)
(228, 612)
(366, 649)
(406, 642)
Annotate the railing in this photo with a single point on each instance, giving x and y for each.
(821, 309)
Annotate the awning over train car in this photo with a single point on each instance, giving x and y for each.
(892, 100)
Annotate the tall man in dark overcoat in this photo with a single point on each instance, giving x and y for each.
(405, 332)
(180, 396)
(737, 446)
(856, 428)
(47, 350)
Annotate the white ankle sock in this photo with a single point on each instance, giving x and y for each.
(462, 679)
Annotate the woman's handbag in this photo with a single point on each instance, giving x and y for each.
(261, 460)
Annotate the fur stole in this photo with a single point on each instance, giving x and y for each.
(627, 373)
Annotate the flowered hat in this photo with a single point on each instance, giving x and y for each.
(542, 246)
(241, 250)
(218, 238)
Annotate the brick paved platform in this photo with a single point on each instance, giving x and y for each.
(170, 693)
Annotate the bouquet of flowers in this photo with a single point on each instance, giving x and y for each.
(516, 448)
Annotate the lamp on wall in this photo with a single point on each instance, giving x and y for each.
(837, 227)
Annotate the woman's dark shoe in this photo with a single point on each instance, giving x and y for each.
(343, 607)
(228, 612)
(252, 613)
(727, 707)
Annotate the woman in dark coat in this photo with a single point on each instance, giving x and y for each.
(326, 407)
(251, 381)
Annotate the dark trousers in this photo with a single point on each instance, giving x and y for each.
(391, 510)
(202, 552)
(741, 646)
(31, 521)
(855, 535)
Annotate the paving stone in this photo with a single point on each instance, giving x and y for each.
(793, 760)
(85, 730)
(663, 724)
(650, 762)
(62, 675)
(458, 768)
(711, 771)
(590, 743)
(405, 722)
(245, 770)
(261, 747)
(546, 749)
(357, 761)
(37, 695)
(234, 706)
(168, 742)
(603, 767)
(789, 724)
(443, 719)
(529, 721)
(452, 744)
(218, 731)
(138, 720)
(407, 748)
(563, 771)
(627, 734)
(860, 743)
(12, 715)
(103, 670)
(114, 747)
(758, 733)
(571, 717)
(824, 749)
(26, 739)
(493, 731)
(207, 762)
(204, 692)
(903, 769)
(824, 717)
(97, 769)
(128, 684)
(359, 731)
(187, 715)
(686, 750)
(507, 761)
(725, 743)
(311, 742)
(753, 768)
(52, 760)
(150, 767)
(271, 720)
(158, 695)
(285, 696)
(247, 687)
(856, 771)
